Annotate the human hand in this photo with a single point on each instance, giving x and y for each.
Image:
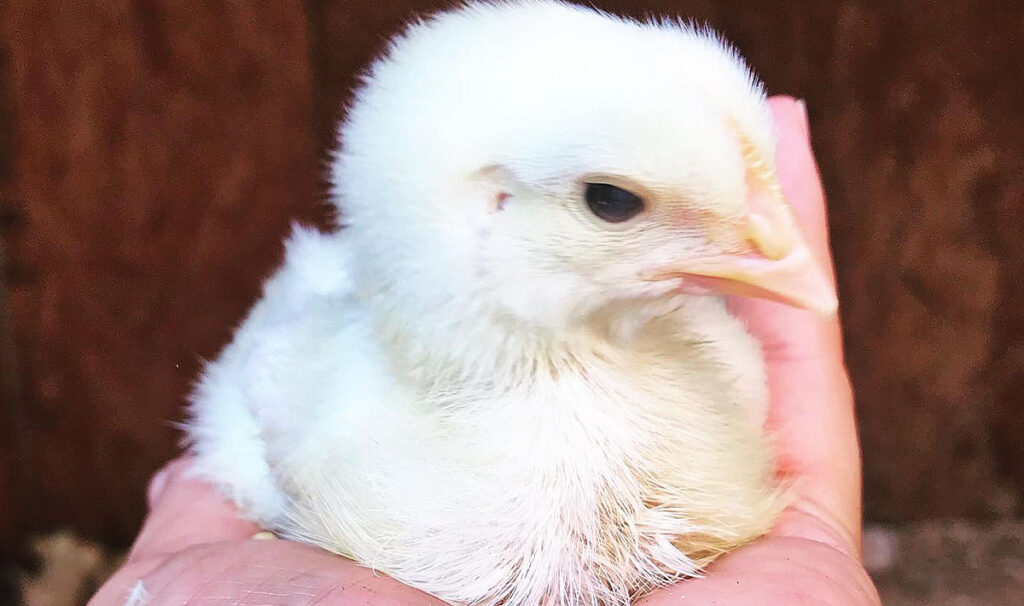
(813, 555)
(194, 548)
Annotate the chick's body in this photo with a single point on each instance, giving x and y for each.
(581, 474)
(475, 386)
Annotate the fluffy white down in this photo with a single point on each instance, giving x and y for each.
(462, 408)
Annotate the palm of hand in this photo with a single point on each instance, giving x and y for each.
(194, 549)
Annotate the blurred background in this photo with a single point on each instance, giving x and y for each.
(153, 154)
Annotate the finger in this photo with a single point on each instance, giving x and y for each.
(811, 412)
(772, 572)
(252, 573)
(185, 512)
(812, 406)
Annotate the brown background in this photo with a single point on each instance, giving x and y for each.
(152, 154)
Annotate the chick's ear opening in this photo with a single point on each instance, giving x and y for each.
(499, 185)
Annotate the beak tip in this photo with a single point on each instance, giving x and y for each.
(819, 295)
(826, 307)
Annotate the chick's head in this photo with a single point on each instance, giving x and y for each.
(546, 161)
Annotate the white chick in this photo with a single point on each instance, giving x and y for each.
(509, 379)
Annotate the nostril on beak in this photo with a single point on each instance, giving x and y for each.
(770, 228)
(764, 234)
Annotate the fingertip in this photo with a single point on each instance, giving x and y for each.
(156, 487)
(789, 113)
(798, 175)
(170, 472)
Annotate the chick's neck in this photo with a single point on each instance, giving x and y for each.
(443, 341)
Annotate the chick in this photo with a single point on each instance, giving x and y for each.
(512, 378)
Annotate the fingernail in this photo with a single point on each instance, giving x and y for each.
(156, 486)
(802, 104)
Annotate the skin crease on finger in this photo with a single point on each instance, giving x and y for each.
(193, 548)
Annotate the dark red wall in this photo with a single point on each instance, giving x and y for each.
(152, 154)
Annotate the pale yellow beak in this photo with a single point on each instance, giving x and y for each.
(778, 265)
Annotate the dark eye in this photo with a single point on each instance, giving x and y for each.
(612, 204)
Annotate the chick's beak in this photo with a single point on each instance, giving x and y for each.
(777, 264)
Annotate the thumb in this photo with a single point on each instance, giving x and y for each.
(811, 412)
(184, 512)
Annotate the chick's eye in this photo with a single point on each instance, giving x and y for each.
(612, 204)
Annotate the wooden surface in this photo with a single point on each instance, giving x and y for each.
(160, 149)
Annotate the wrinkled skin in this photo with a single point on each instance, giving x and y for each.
(194, 548)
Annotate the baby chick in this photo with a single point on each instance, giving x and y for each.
(511, 378)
